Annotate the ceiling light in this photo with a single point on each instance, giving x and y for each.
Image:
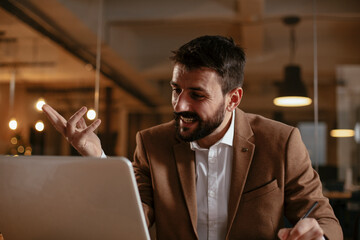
(13, 124)
(39, 126)
(292, 91)
(91, 114)
(342, 133)
(293, 101)
(14, 140)
(39, 104)
(20, 149)
(28, 151)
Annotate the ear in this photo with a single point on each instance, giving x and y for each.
(234, 98)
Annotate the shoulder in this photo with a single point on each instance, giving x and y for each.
(263, 128)
(258, 121)
(157, 142)
(165, 132)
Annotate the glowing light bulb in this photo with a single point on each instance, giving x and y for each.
(39, 126)
(39, 104)
(14, 140)
(28, 151)
(13, 124)
(91, 114)
(20, 149)
(292, 101)
(342, 133)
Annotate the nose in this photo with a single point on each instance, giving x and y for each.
(181, 103)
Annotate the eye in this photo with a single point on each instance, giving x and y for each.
(197, 96)
(176, 90)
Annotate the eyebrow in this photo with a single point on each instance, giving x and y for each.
(191, 88)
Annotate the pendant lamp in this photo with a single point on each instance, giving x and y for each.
(344, 126)
(292, 91)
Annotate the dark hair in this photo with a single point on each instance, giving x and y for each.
(215, 52)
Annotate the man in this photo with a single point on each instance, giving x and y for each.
(215, 172)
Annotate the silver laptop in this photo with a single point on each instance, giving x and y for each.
(43, 197)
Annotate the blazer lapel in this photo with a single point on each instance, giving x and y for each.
(243, 151)
(185, 162)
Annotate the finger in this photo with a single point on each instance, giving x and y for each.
(92, 126)
(72, 122)
(284, 233)
(303, 227)
(312, 234)
(81, 124)
(55, 118)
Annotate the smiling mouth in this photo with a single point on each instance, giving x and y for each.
(187, 119)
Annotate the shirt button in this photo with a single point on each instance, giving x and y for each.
(211, 194)
(212, 224)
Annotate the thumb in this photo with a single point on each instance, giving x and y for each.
(284, 233)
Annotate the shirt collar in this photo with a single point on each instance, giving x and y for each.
(226, 139)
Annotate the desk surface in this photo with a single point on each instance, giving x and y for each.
(338, 195)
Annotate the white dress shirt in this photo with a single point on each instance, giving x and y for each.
(213, 173)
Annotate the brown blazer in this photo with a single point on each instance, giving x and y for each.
(271, 177)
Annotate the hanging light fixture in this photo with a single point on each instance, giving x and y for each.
(292, 92)
(13, 124)
(344, 127)
(342, 132)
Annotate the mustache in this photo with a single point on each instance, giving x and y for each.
(177, 115)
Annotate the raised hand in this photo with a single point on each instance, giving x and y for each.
(76, 132)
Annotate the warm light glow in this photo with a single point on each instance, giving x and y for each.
(342, 133)
(39, 104)
(91, 114)
(88, 67)
(293, 101)
(13, 124)
(28, 151)
(14, 140)
(39, 126)
(20, 149)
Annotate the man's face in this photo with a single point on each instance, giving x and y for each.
(198, 102)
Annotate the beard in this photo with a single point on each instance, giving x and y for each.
(204, 127)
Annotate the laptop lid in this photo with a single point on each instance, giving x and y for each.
(48, 197)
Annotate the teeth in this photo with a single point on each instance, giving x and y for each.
(187, 120)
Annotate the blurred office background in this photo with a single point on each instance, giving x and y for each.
(113, 57)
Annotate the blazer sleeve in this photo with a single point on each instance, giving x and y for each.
(303, 187)
(143, 177)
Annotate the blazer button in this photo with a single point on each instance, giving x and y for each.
(244, 149)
